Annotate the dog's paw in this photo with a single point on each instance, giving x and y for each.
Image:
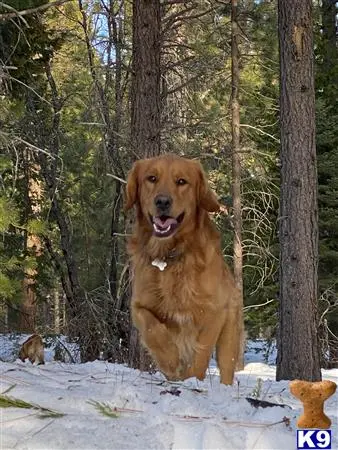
(185, 372)
(168, 367)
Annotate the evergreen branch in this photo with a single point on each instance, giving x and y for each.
(10, 402)
(43, 413)
(8, 389)
(105, 409)
(25, 12)
(33, 147)
(10, 77)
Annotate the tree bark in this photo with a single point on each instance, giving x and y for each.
(28, 308)
(146, 76)
(145, 112)
(236, 161)
(298, 347)
(56, 311)
(116, 39)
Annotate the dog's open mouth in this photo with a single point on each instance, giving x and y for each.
(165, 226)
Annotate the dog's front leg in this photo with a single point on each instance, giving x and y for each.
(157, 339)
(205, 344)
(229, 343)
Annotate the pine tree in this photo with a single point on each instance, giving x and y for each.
(298, 351)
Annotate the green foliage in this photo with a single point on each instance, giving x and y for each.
(104, 409)
(5, 162)
(327, 151)
(32, 47)
(9, 214)
(196, 88)
(42, 413)
(13, 261)
(326, 53)
(327, 144)
(7, 288)
(9, 263)
(36, 226)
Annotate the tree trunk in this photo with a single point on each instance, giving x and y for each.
(115, 254)
(56, 311)
(236, 162)
(145, 111)
(298, 347)
(28, 308)
(116, 42)
(146, 76)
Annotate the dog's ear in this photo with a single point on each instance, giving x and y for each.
(207, 197)
(132, 187)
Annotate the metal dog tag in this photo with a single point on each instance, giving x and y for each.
(159, 264)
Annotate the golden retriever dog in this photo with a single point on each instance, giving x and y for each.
(184, 300)
(32, 349)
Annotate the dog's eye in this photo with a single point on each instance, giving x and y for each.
(181, 182)
(152, 178)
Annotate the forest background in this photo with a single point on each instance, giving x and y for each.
(69, 135)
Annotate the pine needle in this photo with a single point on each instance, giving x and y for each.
(49, 413)
(105, 409)
(10, 402)
(8, 389)
(43, 413)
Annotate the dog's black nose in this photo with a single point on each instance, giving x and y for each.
(163, 202)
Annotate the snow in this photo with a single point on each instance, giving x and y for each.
(152, 413)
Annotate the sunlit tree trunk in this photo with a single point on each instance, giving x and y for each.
(56, 311)
(28, 308)
(236, 159)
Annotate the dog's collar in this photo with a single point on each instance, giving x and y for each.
(162, 263)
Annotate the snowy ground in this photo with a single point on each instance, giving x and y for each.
(151, 413)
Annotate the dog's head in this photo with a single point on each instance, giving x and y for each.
(168, 191)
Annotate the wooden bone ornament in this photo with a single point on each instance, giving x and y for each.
(313, 395)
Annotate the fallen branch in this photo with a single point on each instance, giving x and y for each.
(263, 403)
(189, 418)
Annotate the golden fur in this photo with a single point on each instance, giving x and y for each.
(192, 305)
(32, 349)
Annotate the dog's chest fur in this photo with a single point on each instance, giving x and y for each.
(179, 295)
(178, 299)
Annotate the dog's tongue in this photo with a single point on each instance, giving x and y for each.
(164, 222)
